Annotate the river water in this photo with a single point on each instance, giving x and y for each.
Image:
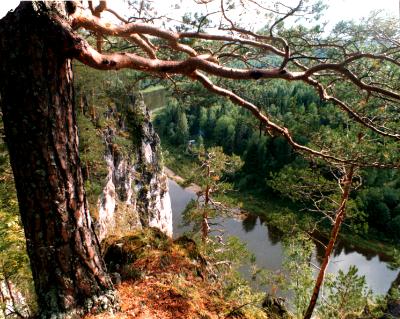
(265, 243)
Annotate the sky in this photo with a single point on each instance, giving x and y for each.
(338, 9)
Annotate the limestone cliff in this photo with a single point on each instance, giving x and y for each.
(135, 192)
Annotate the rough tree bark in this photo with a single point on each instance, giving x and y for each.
(37, 101)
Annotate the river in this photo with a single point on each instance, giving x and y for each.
(265, 243)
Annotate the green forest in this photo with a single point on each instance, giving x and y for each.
(270, 164)
(223, 159)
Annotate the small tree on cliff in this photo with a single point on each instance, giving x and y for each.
(37, 42)
(214, 163)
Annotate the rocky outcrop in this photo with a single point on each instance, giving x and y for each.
(393, 300)
(135, 194)
(275, 307)
(12, 301)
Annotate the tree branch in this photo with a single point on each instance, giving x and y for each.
(195, 65)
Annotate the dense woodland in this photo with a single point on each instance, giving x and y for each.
(270, 164)
(292, 115)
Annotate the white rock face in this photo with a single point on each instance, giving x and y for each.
(136, 190)
(162, 212)
(13, 300)
(106, 202)
(163, 218)
(148, 153)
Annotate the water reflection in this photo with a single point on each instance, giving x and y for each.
(264, 242)
(274, 234)
(179, 199)
(249, 222)
(346, 247)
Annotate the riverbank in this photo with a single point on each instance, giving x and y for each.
(181, 181)
(269, 247)
(282, 217)
(276, 212)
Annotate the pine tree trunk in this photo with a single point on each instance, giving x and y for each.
(205, 228)
(37, 100)
(340, 216)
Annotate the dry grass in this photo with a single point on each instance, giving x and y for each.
(172, 284)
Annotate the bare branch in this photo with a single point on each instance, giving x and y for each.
(287, 15)
(117, 15)
(364, 121)
(196, 66)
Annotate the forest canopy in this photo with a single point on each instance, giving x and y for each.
(313, 111)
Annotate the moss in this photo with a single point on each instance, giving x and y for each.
(94, 167)
(14, 260)
(123, 146)
(173, 279)
(135, 119)
(160, 159)
(191, 248)
(121, 252)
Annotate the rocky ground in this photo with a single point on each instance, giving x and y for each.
(160, 278)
